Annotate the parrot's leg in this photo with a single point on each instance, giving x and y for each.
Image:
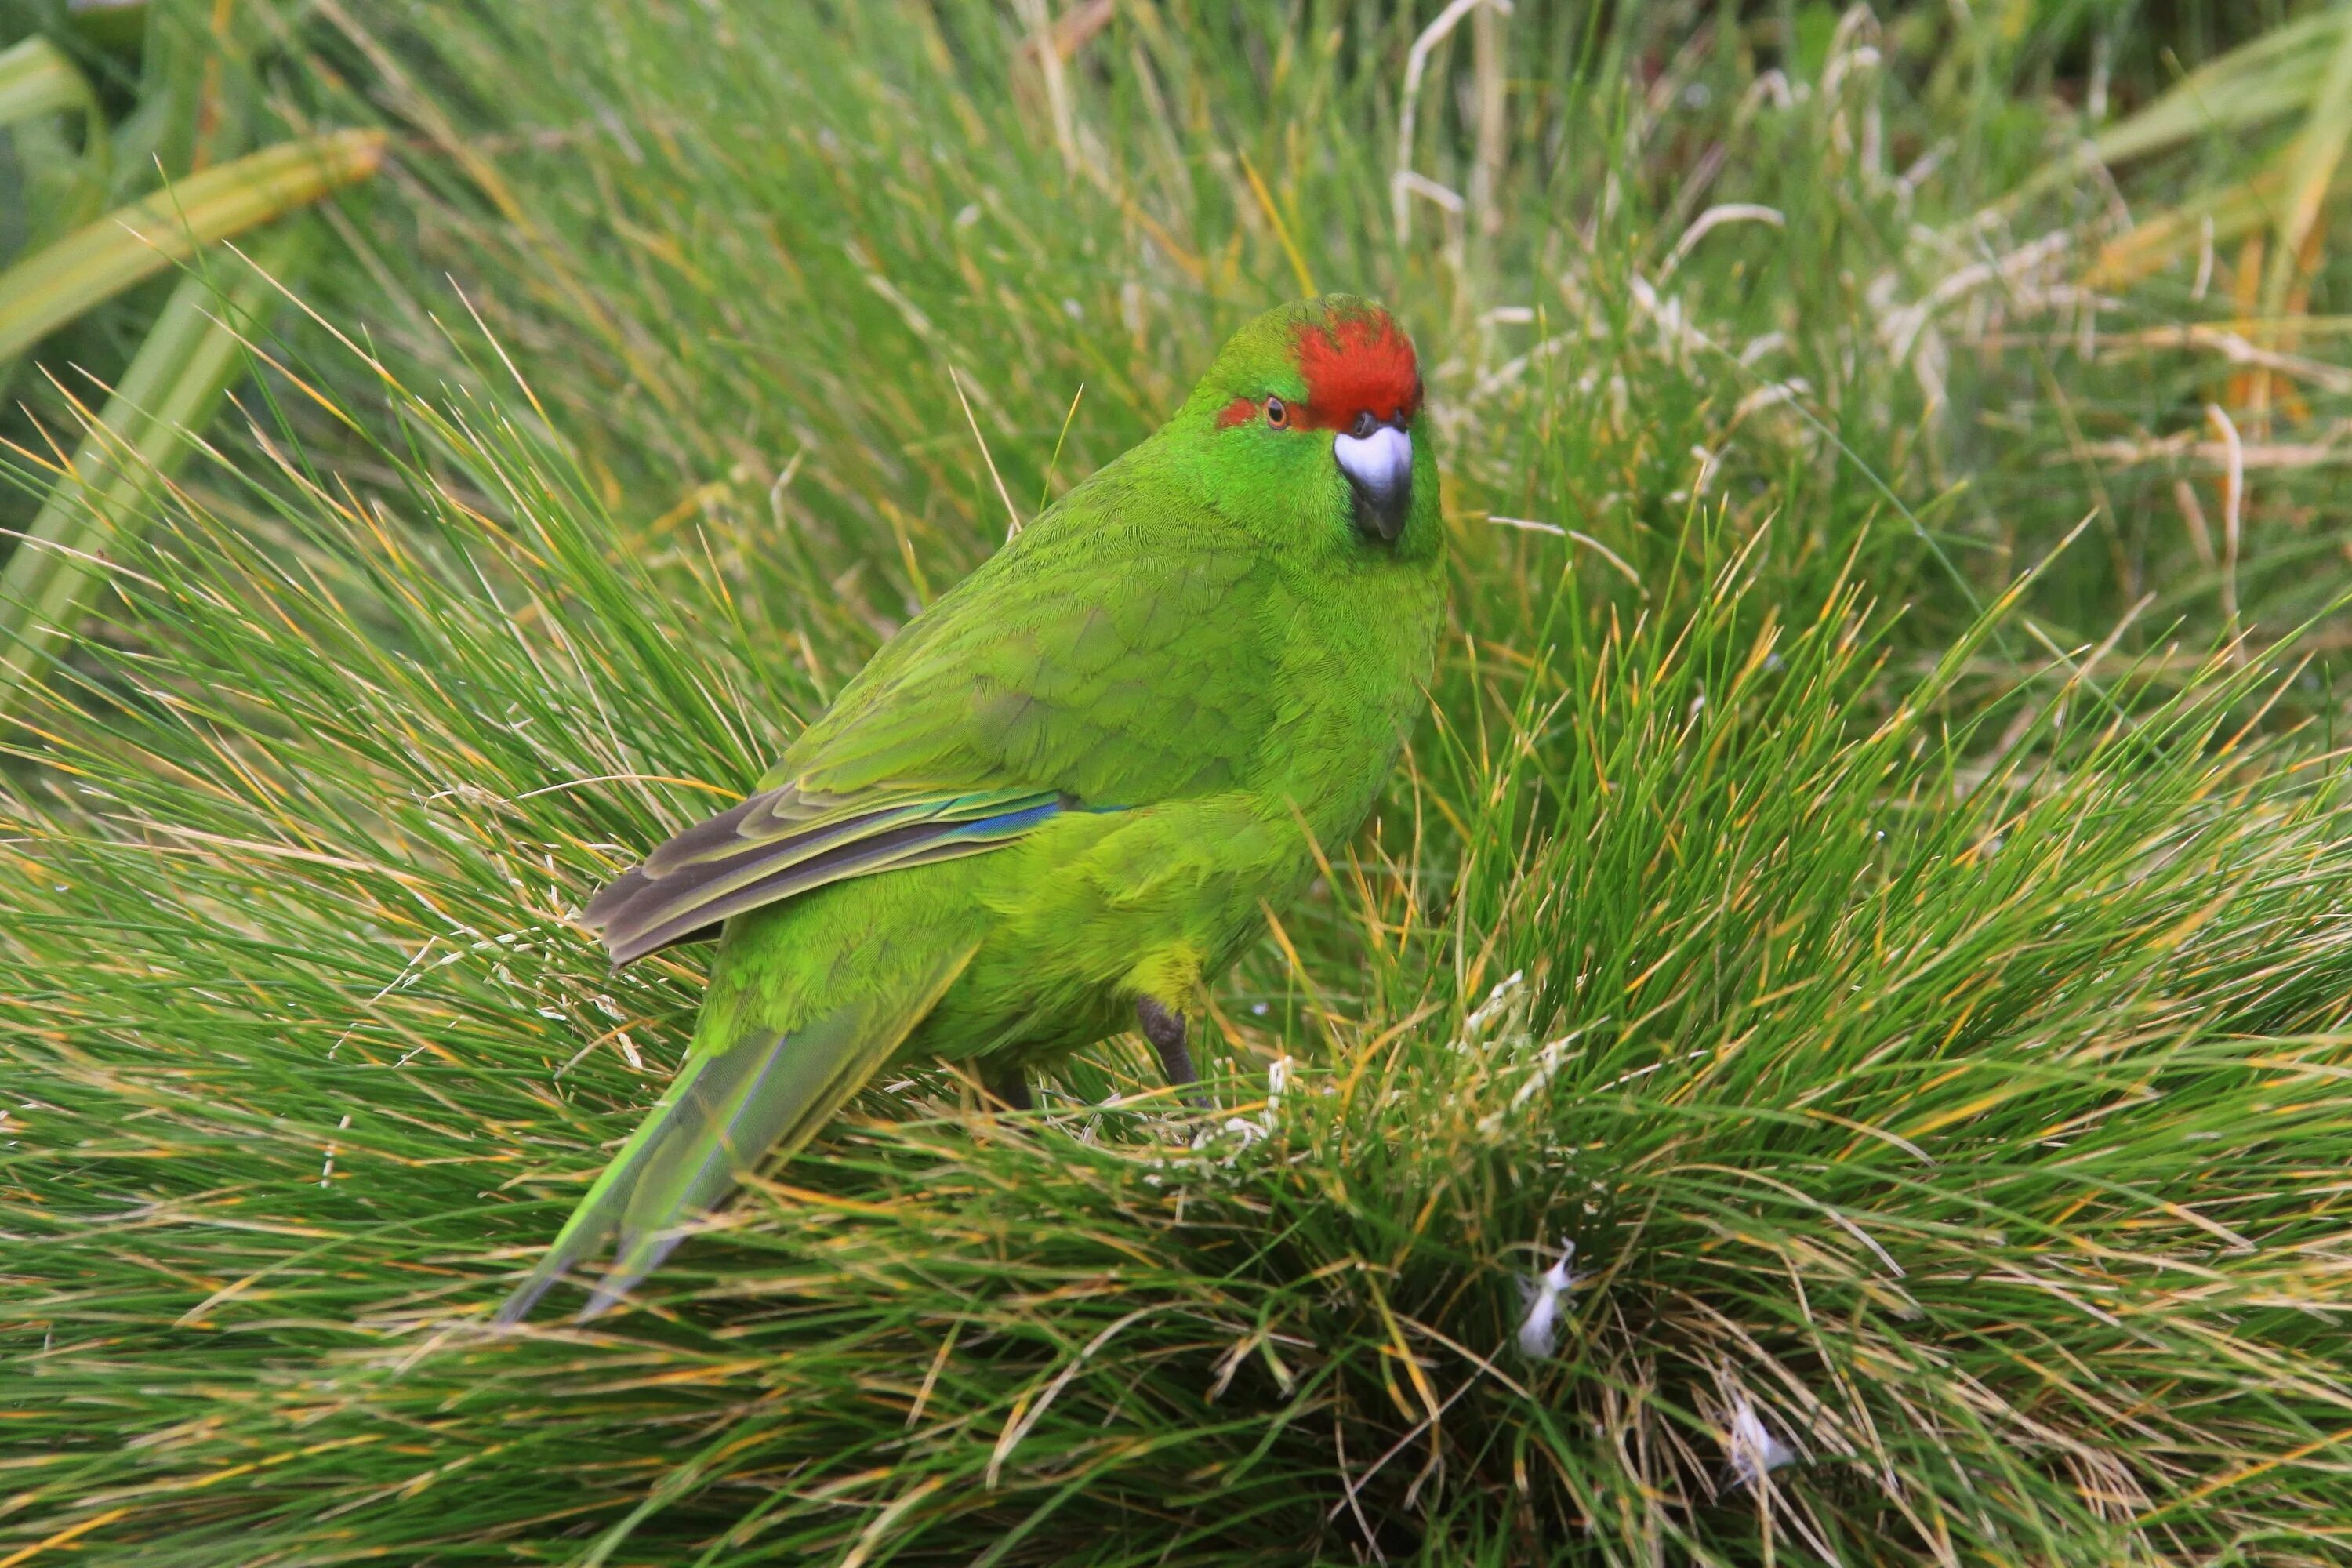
(1165, 1030)
(1011, 1088)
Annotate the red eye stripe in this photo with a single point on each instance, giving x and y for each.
(1359, 364)
(1239, 411)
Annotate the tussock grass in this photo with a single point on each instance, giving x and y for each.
(1906, 964)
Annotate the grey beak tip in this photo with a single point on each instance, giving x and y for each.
(1381, 514)
(1379, 467)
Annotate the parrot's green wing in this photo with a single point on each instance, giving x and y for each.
(1084, 666)
(785, 840)
(1093, 657)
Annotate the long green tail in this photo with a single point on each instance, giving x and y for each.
(724, 1114)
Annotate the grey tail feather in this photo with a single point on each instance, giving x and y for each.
(702, 1081)
(608, 1292)
(518, 1306)
(743, 1124)
(721, 1117)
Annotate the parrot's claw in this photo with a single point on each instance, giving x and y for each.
(1012, 1088)
(1165, 1030)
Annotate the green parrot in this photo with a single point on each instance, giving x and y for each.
(1060, 799)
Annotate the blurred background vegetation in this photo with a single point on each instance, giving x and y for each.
(1871, 875)
(132, 150)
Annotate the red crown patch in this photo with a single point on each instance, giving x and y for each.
(1358, 365)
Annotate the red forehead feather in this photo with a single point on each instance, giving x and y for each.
(1358, 365)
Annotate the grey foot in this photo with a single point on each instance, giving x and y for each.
(1011, 1088)
(1165, 1030)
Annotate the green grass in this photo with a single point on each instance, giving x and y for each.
(1852, 886)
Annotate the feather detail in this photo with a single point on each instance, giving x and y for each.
(781, 842)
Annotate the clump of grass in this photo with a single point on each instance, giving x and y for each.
(1926, 1025)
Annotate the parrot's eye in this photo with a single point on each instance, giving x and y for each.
(1277, 413)
(1363, 425)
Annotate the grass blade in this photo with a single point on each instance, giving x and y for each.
(37, 79)
(2273, 76)
(2310, 166)
(134, 242)
(182, 369)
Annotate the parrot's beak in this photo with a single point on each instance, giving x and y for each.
(1379, 471)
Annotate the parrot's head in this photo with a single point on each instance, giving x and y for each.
(1308, 429)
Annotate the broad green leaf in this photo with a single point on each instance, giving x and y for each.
(182, 369)
(57, 284)
(2275, 75)
(2272, 77)
(62, 190)
(2234, 210)
(2310, 164)
(37, 79)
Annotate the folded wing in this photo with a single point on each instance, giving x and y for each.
(1067, 673)
(782, 841)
